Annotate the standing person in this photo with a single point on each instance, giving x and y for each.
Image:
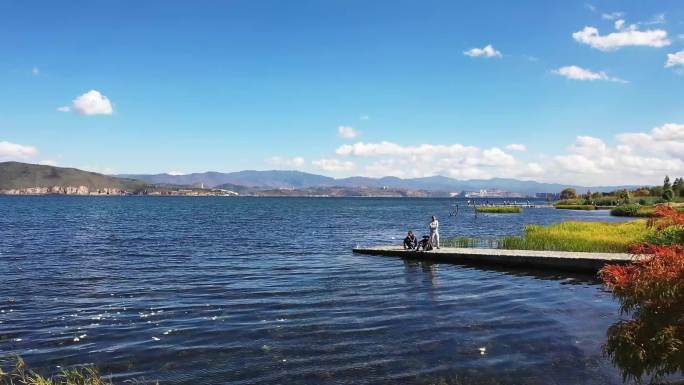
(434, 232)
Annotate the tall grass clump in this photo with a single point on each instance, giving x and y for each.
(576, 207)
(18, 373)
(572, 201)
(470, 242)
(500, 210)
(580, 236)
(633, 210)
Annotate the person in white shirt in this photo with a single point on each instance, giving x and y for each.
(434, 232)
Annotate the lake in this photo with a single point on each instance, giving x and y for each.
(189, 290)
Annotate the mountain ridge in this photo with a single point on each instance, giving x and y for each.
(290, 179)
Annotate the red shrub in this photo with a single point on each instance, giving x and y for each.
(666, 216)
(652, 290)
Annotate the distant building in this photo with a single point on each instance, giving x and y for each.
(492, 194)
(548, 196)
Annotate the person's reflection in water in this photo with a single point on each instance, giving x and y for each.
(429, 276)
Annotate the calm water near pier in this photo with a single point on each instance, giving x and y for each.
(267, 291)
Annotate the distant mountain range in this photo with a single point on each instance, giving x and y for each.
(277, 179)
(18, 177)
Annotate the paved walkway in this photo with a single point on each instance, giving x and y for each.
(552, 260)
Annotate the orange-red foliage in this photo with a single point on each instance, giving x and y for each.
(656, 282)
(666, 216)
(652, 290)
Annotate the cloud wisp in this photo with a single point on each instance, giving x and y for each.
(334, 165)
(347, 132)
(487, 52)
(574, 72)
(516, 147)
(285, 162)
(15, 151)
(675, 60)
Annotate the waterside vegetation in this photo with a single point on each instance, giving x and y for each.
(581, 237)
(650, 341)
(568, 236)
(500, 209)
(18, 373)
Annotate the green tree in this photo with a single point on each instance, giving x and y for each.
(666, 183)
(678, 186)
(568, 193)
(668, 194)
(622, 195)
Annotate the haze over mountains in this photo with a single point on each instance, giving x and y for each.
(276, 179)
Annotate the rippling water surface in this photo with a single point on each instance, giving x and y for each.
(267, 291)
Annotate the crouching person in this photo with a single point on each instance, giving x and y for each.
(410, 242)
(425, 244)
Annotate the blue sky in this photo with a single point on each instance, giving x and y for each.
(347, 87)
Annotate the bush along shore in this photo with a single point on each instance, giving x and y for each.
(637, 210)
(644, 196)
(649, 342)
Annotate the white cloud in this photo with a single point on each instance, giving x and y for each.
(64, 109)
(675, 59)
(454, 160)
(637, 158)
(619, 24)
(347, 132)
(633, 158)
(35, 71)
(516, 147)
(91, 103)
(14, 151)
(612, 15)
(590, 7)
(48, 162)
(334, 165)
(98, 169)
(278, 161)
(578, 73)
(667, 139)
(487, 51)
(656, 19)
(364, 117)
(616, 40)
(176, 173)
(669, 131)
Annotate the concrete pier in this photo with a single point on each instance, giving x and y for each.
(551, 260)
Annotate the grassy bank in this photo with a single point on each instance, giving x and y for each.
(500, 210)
(580, 236)
(639, 211)
(576, 207)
